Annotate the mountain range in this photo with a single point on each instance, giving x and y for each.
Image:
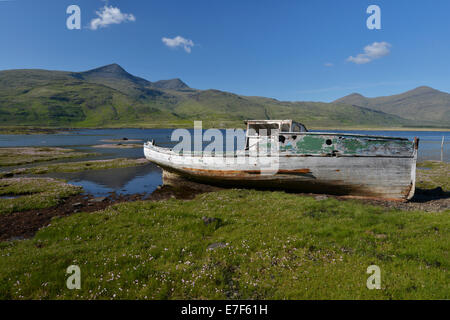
(422, 103)
(109, 96)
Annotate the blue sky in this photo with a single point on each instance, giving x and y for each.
(288, 50)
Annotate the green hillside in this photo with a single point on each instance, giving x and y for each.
(111, 97)
(421, 104)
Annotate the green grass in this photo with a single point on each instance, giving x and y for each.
(33, 193)
(436, 174)
(25, 155)
(277, 246)
(79, 166)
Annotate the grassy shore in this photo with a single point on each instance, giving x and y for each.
(433, 174)
(33, 193)
(78, 166)
(30, 130)
(230, 244)
(255, 245)
(25, 155)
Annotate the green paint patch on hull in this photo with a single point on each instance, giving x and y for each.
(345, 145)
(313, 144)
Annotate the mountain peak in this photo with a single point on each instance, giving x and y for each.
(112, 69)
(353, 99)
(172, 84)
(116, 77)
(355, 94)
(423, 89)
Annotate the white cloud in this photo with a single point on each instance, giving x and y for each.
(328, 64)
(110, 15)
(179, 41)
(372, 51)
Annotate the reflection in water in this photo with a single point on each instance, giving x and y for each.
(142, 179)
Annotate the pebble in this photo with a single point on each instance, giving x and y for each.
(216, 245)
(208, 220)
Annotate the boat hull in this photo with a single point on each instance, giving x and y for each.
(391, 178)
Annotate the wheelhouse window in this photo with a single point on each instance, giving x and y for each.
(262, 129)
(298, 127)
(285, 127)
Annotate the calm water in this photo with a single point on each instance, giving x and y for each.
(145, 179)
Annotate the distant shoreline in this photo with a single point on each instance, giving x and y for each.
(384, 129)
(50, 130)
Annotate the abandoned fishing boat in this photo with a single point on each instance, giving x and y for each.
(283, 154)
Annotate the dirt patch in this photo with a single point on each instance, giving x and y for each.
(169, 192)
(434, 200)
(23, 225)
(429, 200)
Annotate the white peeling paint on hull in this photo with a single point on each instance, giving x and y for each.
(390, 178)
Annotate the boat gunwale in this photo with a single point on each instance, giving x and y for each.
(231, 154)
(345, 134)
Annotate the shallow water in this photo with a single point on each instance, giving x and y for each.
(9, 197)
(142, 179)
(145, 179)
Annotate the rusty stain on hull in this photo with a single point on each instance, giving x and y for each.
(243, 172)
